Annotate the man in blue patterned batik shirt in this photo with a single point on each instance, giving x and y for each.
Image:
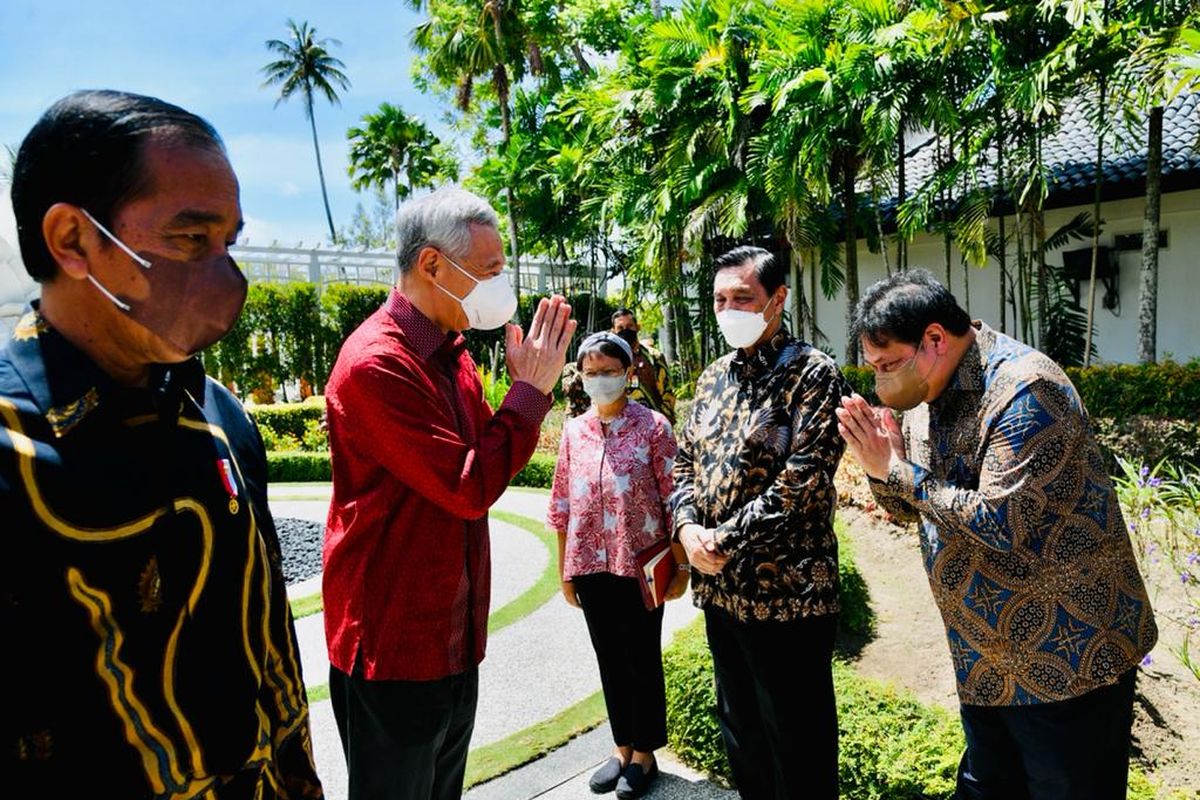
(1028, 556)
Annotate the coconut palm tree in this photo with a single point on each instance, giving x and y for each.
(463, 41)
(394, 148)
(305, 66)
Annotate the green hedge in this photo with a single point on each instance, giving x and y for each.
(862, 380)
(856, 618)
(298, 467)
(291, 466)
(288, 419)
(1169, 390)
(538, 473)
(289, 332)
(890, 745)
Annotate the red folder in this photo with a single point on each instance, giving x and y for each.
(656, 570)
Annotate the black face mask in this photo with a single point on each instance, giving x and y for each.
(191, 303)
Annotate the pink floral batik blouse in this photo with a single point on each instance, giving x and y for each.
(610, 490)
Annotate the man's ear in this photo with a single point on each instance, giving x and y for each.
(427, 262)
(937, 337)
(70, 237)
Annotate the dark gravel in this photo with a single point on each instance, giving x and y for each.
(300, 540)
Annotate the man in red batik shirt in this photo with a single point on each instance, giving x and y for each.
(418, 458)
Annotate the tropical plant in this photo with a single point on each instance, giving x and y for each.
(305, 67)
(393, 148)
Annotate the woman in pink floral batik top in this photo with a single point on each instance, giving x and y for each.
(608, 504)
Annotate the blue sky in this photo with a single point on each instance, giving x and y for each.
(206, 57)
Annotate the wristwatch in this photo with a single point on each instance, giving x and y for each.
(683, 567)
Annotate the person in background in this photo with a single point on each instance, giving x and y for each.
(650, 381)
(151, 646)
(753, 507)
(608, 503)
(1028, 556)
(418, 459)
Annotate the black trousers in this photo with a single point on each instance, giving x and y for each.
(776, 706)
(405, 740)
(1076, 749)
(628, 643)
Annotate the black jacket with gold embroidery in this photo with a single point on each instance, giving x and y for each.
(151, 651)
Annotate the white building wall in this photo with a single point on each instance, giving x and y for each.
(1116, 336)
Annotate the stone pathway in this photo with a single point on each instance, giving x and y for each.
(535, 668)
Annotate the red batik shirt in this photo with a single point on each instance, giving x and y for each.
(418, 458)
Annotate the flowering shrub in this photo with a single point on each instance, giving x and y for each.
(1162, 509)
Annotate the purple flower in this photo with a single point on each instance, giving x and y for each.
(1145, 513)
(1145, 471)
(1185, 576)
(1151, 549)
(1156, 482)
(1148, 660)
(1192, 558)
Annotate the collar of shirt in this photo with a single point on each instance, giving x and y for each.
(970, 376)
(69, 387)
(592, 418)
(425, 337)
(763, 359)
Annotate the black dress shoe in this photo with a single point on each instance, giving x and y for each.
(636, 779)
(605, 779)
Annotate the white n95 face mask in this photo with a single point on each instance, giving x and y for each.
(604, 389)
(742, 328)
(490, 304)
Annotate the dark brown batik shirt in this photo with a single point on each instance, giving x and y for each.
(1022, 535)
(756, 462)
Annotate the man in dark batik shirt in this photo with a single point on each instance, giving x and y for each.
(1023, 539)
(150, 647)
(753, 507)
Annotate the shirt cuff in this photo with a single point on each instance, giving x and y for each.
(684, 515)
(527, 402)
(904, 480)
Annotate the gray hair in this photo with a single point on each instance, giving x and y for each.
(441, 219)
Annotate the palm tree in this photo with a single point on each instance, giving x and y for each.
(461, 42)
(304, 65)
(394, 148)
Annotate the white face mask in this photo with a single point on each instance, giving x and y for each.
(742, 328)
(604, 389)
(490, 304)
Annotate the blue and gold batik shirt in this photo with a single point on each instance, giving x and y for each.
(1022, 535)
(150, 651)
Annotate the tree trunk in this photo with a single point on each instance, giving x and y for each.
(883, 248)
(850, 202)
(1098, 179)
(312, 121)
(999, 197)
(1098, 182)
(944, 157)
(500, 81)
(1148, 287)
(901, 245)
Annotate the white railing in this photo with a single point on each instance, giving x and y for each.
(378, 267)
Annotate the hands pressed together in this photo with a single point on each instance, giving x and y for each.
(700, 544)
(872, 434)
(537, 359)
